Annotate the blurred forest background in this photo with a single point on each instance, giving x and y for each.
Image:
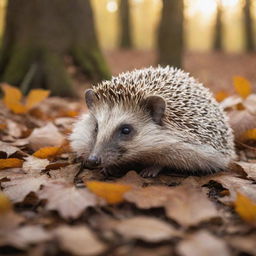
(56, 44)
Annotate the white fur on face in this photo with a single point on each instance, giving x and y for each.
(82, 137)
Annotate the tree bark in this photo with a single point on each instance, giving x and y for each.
(125, 26)
(217, 44)
(248, 27)
(39, 34)
(170, 34)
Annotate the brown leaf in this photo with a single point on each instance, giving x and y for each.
(245, 243)
(79, 240)
(250, 104)
(69, 201)
(249, 168)
(146, 228)
(25, 236)
(186, 204)
(8, 149)
(202, 243)
(21, 185)
(34, 165)
(46, 136)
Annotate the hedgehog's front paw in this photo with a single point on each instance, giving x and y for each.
(150, 172)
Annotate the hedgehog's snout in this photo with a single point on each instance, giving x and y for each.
(93, 161)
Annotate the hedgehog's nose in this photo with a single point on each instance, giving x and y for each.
(93, 161)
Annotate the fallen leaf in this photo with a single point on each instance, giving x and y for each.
(231, 102)
(220, 96)
(249, 168)
(10, 163)
(25, 236)
(47, 136)
(202, 243)
(248, 135)
(146, 228)
(69, 201)
(112, 192)
(245, 243)
(245, 208)
(12, 97)
(46, 152)
(242, 86)
(8, 149)
(250, 103)
(33, 165)
(21, 185)
(35, 97)
(79, 240)
(5, 203)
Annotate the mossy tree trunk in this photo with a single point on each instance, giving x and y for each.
(39, 34)
(170, 33)
(218, 31)
(125, 24)
(248, 27)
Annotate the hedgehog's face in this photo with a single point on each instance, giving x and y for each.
(122, 135)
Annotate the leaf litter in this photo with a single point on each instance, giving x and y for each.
(41, 201)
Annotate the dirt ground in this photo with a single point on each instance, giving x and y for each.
(215, 70)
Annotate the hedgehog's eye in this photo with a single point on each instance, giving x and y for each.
(96, 128)
(126, 129)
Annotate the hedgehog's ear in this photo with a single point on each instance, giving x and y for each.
(90, 98)
(156, 106)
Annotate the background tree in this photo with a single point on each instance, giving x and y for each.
(217, 43)
(125, 25)
(39, 34)
(248, 27)
(170, 33)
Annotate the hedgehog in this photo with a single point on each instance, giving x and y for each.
(150, 120)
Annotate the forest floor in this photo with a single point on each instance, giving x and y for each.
(48, 208)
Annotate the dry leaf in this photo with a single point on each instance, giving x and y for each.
(33, 165)
(146, 228)
(46, 136)
(5, 204)
(35, 97)
(112, 192)
(220, 96)
(250, 103)
(245, 243)
(248, 135)
(46, 152)
(8, 149)
(69, 201)
(25, 236)
(202, 243)
(231, 102)
(10, 163)
(249, 168)
(79, 240)
(245, 208)
(242, 86)
(12, 97)
(21, 185)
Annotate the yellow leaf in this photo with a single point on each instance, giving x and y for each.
(242, 86)
(249, 135)
(35, 97)
(245, 208)
(220, 96)
(12, 97)
(5, 203)
(46, 152)
(10, 163)
(111, 192)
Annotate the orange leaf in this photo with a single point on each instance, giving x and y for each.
(245, 208)
(5, 203)
(35, 97)
(249, 135)
(242, 86)
(12, 97)
(10, 163)
(111, 192)
(46, 152)
(220, 96)
(3, 126)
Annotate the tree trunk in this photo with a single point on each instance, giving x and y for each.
(217, 44)
(170, 34)
(248, 27)
(38, 34)
(125, 27)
